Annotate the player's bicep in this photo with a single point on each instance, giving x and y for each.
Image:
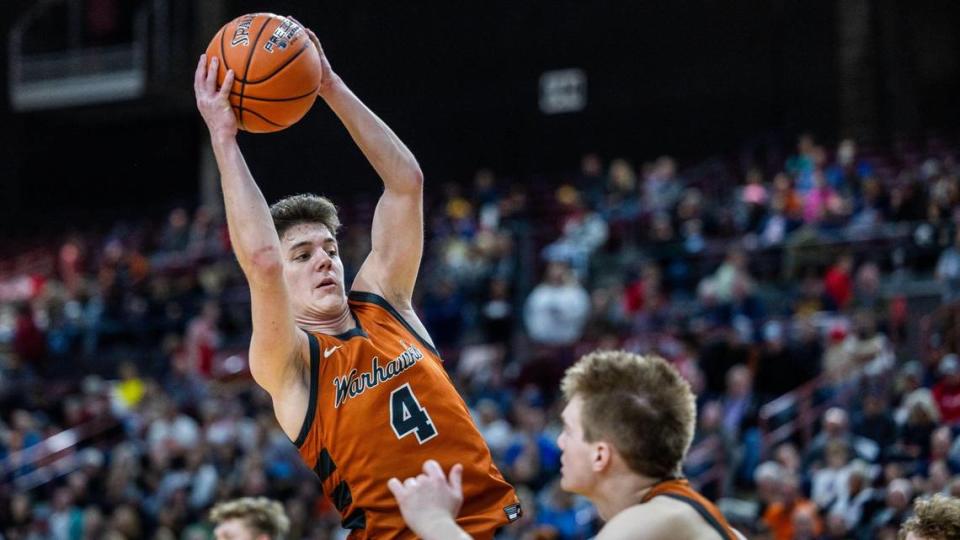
(276, 345)
(396, 246)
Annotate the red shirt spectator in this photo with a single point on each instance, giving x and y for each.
(28, 340)
(947, 392)
(838, 283)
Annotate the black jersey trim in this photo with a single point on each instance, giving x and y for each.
(724, 532)
(356, 520)
(357, 331)
(372, 298)
(312, 403)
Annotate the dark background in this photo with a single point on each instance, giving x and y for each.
(458, 81)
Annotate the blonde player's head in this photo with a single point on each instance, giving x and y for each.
(307, 225)
(627, 408)
(934, 518)
(250, 518)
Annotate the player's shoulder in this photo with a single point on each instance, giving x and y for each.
(660, 518)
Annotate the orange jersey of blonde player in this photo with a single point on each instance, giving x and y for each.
(381, 404)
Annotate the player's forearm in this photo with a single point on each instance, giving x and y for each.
(445, 530)
(252, 234)
(392, 160)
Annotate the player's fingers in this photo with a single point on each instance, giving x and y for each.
(410, 483)
(395, 487)
(201, 70)
(227, 85)
(212, 75)
(432, 469)
(456, 478)
(310, 34)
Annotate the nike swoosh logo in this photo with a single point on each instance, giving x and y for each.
(331, 350)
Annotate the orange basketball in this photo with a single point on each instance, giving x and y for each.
(276, 70)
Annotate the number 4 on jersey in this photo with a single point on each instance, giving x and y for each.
(406, 415)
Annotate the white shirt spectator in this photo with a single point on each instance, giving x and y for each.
(556, 311)
(181, 432)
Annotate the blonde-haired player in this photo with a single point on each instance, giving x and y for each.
(627, 426)
(934, 518)
(250, 518)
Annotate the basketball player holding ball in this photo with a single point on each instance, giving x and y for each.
(356, 382)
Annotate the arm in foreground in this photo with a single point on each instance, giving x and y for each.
(430, 502)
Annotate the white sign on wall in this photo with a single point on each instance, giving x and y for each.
(563, 91)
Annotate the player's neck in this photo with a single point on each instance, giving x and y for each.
(620, 491)
(335, 326)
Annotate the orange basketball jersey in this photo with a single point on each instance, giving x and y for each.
(381, 404)
(679, 489)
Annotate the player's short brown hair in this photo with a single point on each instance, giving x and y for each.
(641, 405)
(304, 208)
(259, 513)
(934, 518)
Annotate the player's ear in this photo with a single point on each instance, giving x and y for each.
(602, 456)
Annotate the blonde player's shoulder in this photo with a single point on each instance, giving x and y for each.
(662, 518)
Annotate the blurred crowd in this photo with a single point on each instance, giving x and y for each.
(832, 270)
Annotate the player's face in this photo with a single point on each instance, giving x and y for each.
(576, 458)
(313, 271)
(235, 529)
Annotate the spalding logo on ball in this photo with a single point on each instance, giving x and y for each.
(276, 70)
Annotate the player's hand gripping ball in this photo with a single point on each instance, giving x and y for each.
(277, 70)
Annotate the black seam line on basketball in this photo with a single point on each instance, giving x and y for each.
(281, 67)
(258, 115)
(223, 52)
(226, 67)
(243, 85)
(308, 94)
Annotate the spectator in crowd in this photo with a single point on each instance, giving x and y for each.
(947, 390)
(739, 403)
(781, 516)
(661, 187)
(838, 282)
(897, 507)
(556, 311)
(766, 478)
(922, 418)
(875, 421)
(583, 231)
(829, 482)
(948, 271)
(836, 428)
(855, 503)
(203, 339)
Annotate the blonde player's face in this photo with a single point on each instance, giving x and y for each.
(576, 457)
(313, 271)
(235, 529)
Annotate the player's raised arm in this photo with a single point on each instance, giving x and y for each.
(276, 342)
(397, 233)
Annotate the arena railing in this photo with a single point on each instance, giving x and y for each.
(54, 456)
(79, 73)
